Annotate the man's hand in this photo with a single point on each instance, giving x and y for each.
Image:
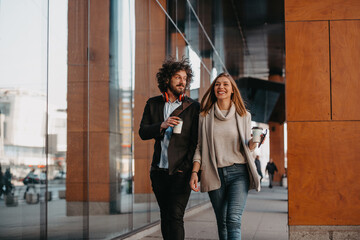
(170, 122)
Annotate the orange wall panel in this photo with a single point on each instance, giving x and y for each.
(296, 10)
(150, 36)
(345, 73)
(99, 106)
(322, 173)
(205, 79)
(142, 176)
(99, 192)
(307, 71)
(77, 32)
(99, 33)
(88, 101)
(300, 10)
(177, 43)
(345, 9)
(277, 149)
(77, 110)
(99, 158)
(76, 157)
(76, 192)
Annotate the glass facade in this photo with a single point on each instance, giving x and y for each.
(67, 69)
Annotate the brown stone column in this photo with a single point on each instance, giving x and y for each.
(322, 86)
(88, 165)
(277, 150)
(277, 140)
(178, 45)
(150, 53)
(205, 77)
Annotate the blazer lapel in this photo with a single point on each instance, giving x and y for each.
(161, 110)
(181, 108)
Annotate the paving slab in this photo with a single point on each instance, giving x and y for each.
(265, 218)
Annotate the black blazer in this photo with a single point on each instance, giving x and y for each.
(181, 146)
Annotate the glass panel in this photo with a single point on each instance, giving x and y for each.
(23, 117)
(148, 32)
(72, 225)
(124, 65)
(195, 43)
(45, 62)
(117, 210)
(33, 105)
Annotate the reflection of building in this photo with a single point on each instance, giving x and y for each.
(24, 116)
(2, 127)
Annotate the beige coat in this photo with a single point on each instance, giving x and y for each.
(205, 152)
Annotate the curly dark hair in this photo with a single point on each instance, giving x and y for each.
(169, 68)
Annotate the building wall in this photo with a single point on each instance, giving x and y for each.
(277, 150)
(150, 53)
(322, 85)
(88, 118)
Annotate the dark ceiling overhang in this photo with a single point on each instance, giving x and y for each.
(264, 99)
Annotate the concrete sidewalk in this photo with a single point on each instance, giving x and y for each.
(265, 218)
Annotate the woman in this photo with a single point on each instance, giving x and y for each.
(223, 154)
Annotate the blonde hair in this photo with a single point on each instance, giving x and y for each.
(209, 97)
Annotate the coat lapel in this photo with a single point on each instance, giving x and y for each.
(240, 121)
(209, 128)
(240, 126)
(161, 110)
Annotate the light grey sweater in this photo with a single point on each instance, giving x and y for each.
(227, 143)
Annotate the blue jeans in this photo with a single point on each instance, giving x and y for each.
(229, 200)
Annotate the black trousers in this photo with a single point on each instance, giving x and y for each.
(172, 193)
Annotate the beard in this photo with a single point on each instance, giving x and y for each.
(175, 91)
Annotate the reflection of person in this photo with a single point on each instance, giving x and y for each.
(224, 156)
(7, 181)
(258, 167)
(30, 181)
(271, 168)
(1, 181)
(173, 153)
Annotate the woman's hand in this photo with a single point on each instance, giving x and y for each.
(194, 182)
(262, 139)
(251, 145)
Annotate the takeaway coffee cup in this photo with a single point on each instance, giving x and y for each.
(178, 127)
(257, 131)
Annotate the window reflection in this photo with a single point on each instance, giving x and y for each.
(34, 117)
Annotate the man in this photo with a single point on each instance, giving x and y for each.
(172, 159)
(271, 168)
(258, 167)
